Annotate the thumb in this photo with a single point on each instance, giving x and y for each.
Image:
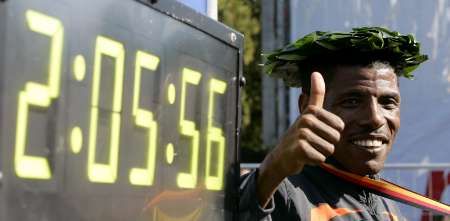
(317, 92)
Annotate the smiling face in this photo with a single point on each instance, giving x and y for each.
(367, 99)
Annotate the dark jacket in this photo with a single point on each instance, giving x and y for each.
(315, 195)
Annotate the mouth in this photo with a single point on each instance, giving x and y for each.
(370, 142)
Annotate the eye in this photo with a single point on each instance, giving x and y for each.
(389, 103)
(351, 102)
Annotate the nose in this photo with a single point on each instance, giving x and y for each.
(373, 117)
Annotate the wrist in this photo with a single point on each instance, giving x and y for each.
(268, 179)
(272, 168)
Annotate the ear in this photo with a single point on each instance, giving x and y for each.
(303, 102)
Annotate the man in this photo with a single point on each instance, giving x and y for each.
(350, 115)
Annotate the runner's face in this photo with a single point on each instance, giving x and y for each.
(368, 101)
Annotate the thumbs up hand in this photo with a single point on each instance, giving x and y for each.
(311, 139)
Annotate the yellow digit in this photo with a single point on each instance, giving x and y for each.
(144, 118)
(187, 128)
(215, 135)
(35, 94)
(106, 173)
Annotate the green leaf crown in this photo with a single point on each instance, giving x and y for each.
(374, 43)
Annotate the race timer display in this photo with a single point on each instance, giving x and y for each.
(116, 110)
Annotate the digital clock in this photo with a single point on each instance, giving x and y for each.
(117, 110)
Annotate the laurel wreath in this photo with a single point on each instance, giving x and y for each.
(401, 51)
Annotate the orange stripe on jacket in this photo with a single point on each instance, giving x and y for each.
(324, 212)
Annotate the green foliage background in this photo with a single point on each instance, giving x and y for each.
(244, 16)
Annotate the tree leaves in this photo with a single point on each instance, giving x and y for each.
(402, 51)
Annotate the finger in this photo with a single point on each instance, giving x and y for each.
(327, 117)
(310, 155)
(317, 142)
(317, 92)
(318, 127)
(297, 123)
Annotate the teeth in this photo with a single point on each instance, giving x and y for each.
(368, 143)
